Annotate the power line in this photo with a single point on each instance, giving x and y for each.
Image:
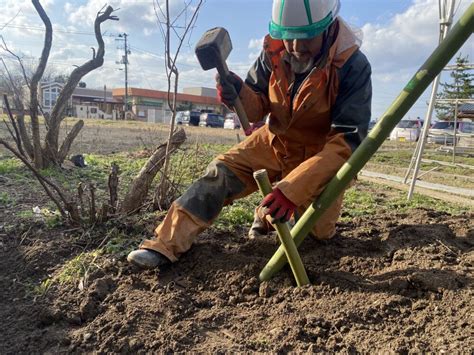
(42, 29)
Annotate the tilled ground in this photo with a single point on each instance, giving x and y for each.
(388, 282)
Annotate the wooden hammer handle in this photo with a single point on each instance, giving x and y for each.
(238, 107)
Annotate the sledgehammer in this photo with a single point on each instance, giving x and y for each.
(212, 50)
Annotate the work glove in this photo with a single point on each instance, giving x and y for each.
(228, 88)
(278, 206)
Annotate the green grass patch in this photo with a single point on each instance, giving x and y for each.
(71, 272)
(11, 166)
(401, 204)
(240, 213)
(364, 199)
(77, 267)
(5, 199)
(358, 203)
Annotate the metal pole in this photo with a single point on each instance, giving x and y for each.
(376, 137)
(126, 73)
(455, 129)
(446, 21)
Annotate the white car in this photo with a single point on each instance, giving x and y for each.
(406, 131)
(231, 121)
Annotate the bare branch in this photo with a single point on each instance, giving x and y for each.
(92, 208)
(14, 88)
(11, 20)
(113, 186)
(15, 136)
(20, 61)
(142, 182)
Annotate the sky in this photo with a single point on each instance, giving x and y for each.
(397, 37)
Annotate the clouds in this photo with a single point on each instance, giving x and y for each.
(406, 40)
(397, 48)
(396, 42)
(135, 16)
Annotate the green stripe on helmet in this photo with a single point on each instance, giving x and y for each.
(308, 11)
(282, 6)
(300, 32)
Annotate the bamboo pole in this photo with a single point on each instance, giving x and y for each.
(287, 243)
(405, 100)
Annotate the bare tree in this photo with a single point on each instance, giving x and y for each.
(51, 153)
(73, 205)
(175, 32)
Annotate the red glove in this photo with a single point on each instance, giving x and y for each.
(278, 206)
(228, 88)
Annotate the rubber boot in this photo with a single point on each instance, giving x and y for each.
(259, 227)
(147, 259)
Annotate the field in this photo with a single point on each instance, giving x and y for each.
(396, 277)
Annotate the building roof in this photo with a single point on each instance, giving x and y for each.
(93, 93)
(163, 95)
(467, 107)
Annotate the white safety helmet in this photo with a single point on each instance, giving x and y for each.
(301, 19)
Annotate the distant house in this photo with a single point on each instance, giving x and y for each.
(48, 94)
(201, 91)
(466, 110)
(152, 106)
(84, 102)
(94, 103)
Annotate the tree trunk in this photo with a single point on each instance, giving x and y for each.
(52, 152)
(141, 184)
(24, 135)
(69, 139)
(48, 37)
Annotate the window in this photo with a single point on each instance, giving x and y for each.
(93, 110)
(408, 124)
(47, 102)
(443, 125)
(467, 127)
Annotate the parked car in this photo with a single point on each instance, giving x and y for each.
(179, 117)
(467, 128)
(466, 137)
(442, 132)
(231, 121)
(406, 131)
(211, 120)
(190, 118)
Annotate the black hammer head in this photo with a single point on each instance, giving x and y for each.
(213, 47)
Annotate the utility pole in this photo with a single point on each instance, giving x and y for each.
(105, 100)
(124, 61)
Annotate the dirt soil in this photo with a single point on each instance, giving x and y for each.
(399, 282)
(391, 282)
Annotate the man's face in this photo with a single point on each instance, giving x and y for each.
(304, 50)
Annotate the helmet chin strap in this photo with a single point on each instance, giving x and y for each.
(328, 39)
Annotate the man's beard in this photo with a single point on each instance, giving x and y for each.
(300, 67)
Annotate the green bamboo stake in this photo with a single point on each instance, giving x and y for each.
(405, 100)
(287, 244)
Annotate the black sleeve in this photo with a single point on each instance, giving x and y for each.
(258, 76)
(352, 109)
